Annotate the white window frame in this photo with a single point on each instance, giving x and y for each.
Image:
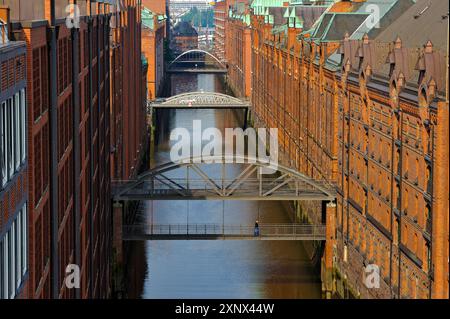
(23, 113)
(17, 139)
(24, 240)
(9, 120)
(12, 271)
(18, 230)
(1, 269)
(3, 145)
(6, 267)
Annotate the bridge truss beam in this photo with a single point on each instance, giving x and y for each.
(193, 182)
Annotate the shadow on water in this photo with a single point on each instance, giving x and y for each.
(214, 269)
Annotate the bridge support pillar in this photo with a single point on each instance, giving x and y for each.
(329, 209)
(117, 248)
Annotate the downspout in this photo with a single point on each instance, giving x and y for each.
(53, 113)
(91, 165)
(75, 34)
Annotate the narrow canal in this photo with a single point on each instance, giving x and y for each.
(214, 269)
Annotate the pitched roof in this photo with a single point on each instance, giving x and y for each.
(357, 19)
(426, 20)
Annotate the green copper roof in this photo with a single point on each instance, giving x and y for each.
(148, 18)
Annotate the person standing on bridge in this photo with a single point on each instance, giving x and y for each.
(256, 229)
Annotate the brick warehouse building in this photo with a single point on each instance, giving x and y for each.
(184, 38)
(72, 147)
(153, 36)
(13, 165)
(367, 111)
(238, 49)
(220, 14)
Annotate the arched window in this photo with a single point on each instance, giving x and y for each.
(415, 243)
(406, 166)
(423, 102)
(394, 94)
(416, 206)
(405, 235)
(417, 170)
(397, 161)
(405, 200)
(429, 179)
(397, 195)
(428, 141)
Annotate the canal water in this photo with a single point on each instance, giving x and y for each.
(214, 269)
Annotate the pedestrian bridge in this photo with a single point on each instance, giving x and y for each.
(197, 61)
(200, 100)
(197, 70)
(287, 232)
(189, 179)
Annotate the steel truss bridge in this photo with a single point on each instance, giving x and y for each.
(199, 100)
(197, 61)
(191, 179)
(290, 232)
(194, 182)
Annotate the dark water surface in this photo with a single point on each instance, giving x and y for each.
(214, 269)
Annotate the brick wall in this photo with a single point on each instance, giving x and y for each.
(381, 148)
(14, 194)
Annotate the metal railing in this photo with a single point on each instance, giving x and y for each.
(219, 231)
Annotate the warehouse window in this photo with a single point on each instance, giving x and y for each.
(17, 140)
(23, 122)
(12, 136)
(3, 152)
(13, 252)
(9, 138)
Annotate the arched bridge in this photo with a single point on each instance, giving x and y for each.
(200, 100)
(190, 179)
(197, 61)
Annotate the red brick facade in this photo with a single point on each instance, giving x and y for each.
(220, 20)
(379, 132)
(153, 50)
(14, 201)
(128, 107)
(86, 126)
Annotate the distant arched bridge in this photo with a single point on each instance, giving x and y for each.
(197, 61)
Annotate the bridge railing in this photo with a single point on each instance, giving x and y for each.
(290, 231)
